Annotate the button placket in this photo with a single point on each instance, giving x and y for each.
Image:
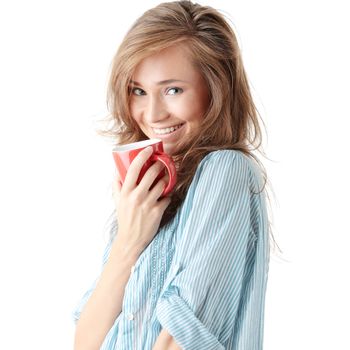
(130, 316)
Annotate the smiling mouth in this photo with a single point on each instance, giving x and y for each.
(166, 131)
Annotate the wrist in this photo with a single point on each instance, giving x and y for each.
(126, 250)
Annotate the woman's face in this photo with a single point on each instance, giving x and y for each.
(169, 97)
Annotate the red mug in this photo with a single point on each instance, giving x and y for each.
(123, 156)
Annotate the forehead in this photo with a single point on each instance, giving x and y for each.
(171, 63)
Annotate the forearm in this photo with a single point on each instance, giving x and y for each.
(105, 303)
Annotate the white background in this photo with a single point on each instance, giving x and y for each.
(56, 172)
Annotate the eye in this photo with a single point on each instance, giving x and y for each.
(174, 90)
(137, 91)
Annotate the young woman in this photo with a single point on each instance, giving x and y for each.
(186, 271)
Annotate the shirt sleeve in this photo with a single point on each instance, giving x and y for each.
(200, 298)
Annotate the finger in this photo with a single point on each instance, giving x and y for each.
(166, 178)
(150, 176)
(163, 203)
(135, 167)
(156, 191)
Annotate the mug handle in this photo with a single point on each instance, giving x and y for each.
(170, 167)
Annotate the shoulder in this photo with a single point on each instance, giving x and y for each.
(220, 156)
(226, 159)
(233, 164)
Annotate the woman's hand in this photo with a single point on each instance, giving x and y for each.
(138, 210)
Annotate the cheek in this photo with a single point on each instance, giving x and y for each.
(186, 108)
(135, 110)
(194, 109)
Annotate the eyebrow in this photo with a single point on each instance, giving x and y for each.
(163, 82)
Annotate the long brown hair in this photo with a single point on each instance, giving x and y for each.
(231, 121)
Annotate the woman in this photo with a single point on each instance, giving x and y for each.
(186, 271)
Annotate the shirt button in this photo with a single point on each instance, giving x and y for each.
(132, 268)
(130, 317)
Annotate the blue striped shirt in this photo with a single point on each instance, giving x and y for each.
(203, 277)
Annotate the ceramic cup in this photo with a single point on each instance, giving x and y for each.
(123, 156)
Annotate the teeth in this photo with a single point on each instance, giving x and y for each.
(167, 130)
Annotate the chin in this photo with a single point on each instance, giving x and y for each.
(168, 149)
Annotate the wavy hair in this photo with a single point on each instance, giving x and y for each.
(231, 121)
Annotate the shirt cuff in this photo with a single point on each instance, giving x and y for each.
(179, 320)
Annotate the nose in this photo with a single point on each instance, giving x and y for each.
(155, 110)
